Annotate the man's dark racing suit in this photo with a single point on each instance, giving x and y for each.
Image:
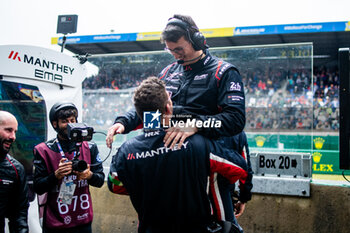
(208, 89)
(13, 195)
(168, 187)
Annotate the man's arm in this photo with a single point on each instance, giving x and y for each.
(43, 181)
(130, 121)
(123, 124)
(18, 222)
(116, 168)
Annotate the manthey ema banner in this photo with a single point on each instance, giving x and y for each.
(41, 64)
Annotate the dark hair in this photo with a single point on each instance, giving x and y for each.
(62, 110)
(151, 95)
(173, 33)
(68, 112)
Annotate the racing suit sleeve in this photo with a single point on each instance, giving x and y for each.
(130, 121)
(19, 216)
(98, 177)
(116, 168)
(43, 181)
(231, 104)
(245, 188)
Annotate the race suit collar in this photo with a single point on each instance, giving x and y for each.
(199, 64)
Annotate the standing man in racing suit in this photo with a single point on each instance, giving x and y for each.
(65, 204)
(13, 183)
(199, 85)
(168, 187)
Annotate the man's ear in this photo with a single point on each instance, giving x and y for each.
(169, 108)
(54, 124)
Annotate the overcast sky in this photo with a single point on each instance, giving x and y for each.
(34, 22)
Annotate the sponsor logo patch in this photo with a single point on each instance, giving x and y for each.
(200, 77)
(7, 182)
(235, 98)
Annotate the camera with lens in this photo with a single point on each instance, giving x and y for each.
(79, 165)
(79, 132)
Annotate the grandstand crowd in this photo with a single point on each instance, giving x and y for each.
(292, 100)
(100, 109)
(119, 77)
(275, 99)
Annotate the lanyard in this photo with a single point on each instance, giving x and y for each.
(61, 151)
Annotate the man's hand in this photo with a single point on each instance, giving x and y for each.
(178, 135)
(84, 175)
(239, 208)
(64, 168)
(117, 128)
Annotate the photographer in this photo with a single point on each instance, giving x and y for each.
(62, 184)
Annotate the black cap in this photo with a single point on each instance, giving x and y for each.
(60, 106)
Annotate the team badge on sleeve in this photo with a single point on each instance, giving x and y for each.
(235, 86)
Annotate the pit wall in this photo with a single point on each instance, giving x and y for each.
(327, 210)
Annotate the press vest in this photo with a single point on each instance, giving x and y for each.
(57, 215)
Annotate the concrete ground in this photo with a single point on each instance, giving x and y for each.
(326, 210)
